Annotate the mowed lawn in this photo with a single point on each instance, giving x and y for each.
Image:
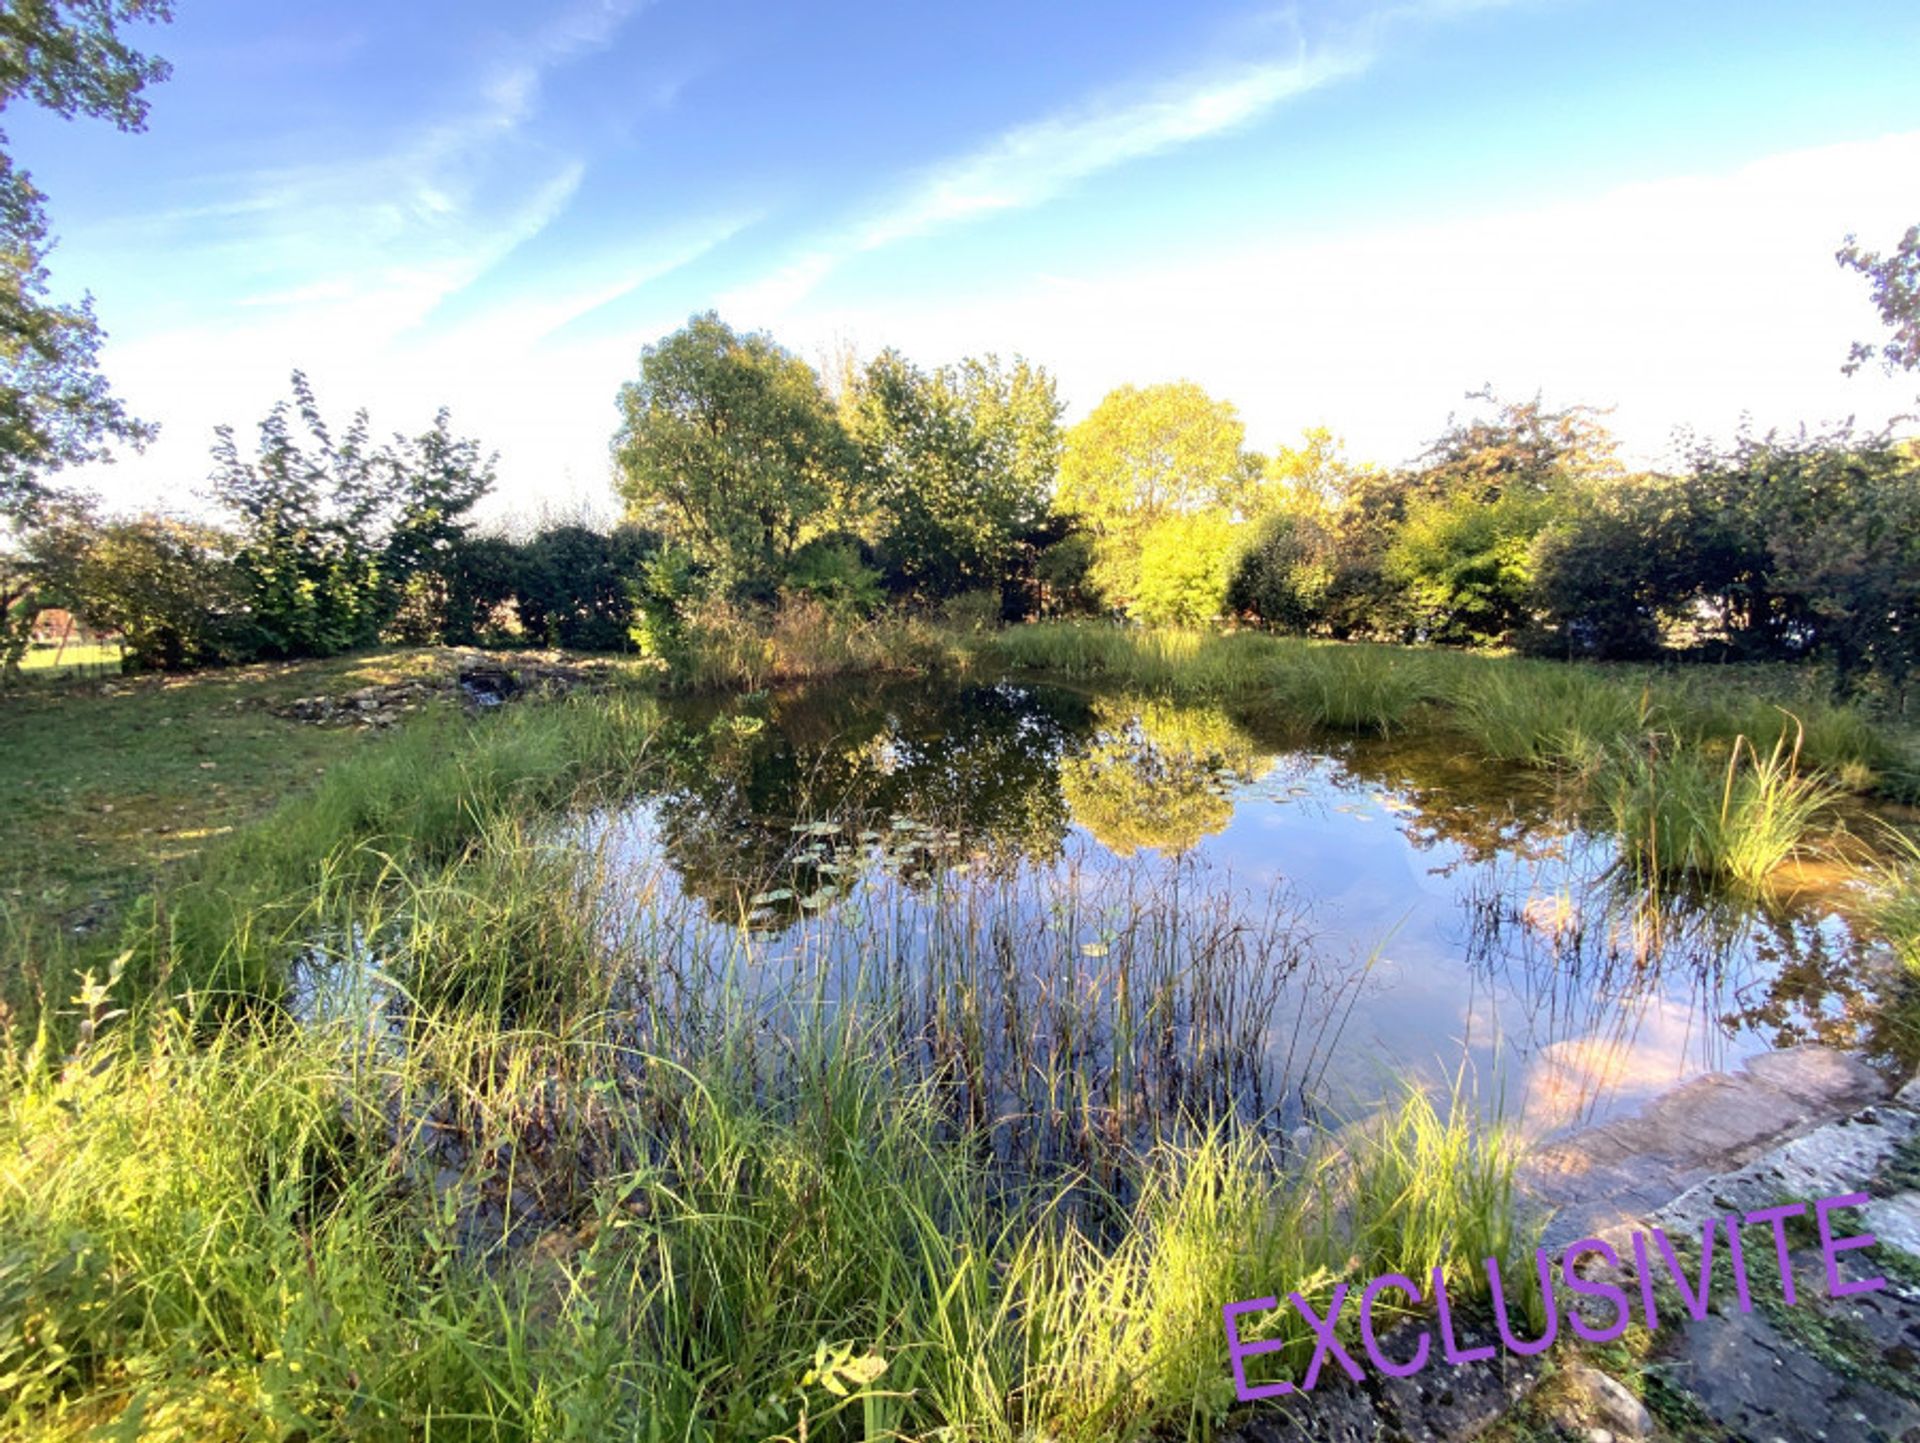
(103, 781)
(93, 657)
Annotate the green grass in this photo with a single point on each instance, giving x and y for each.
(268, 1234)
(1540, 713)
(1895, 907)
(45, 662)
(1681, 814)
(107, 785)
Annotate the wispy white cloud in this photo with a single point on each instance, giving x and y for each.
(1687, 300)
(346, 266)
(392, 232)
(1032, 163)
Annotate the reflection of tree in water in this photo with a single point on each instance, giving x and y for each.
(1157, 775)
(1815, 993)
(979, 763)
(1445, 794)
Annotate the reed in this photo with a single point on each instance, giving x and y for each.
(1563, 715)
(1686, 812)
(347, 1236)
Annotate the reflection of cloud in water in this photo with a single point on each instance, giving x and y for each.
(1655, 1047)
(1518, 953)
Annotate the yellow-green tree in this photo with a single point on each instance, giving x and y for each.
(1143, 455)
(1185, 564)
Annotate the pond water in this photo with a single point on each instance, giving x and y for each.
(1119, 906)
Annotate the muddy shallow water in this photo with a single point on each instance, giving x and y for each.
(1183, 906)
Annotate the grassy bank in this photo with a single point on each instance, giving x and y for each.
(1716, 773)
(300, 1235)
(528, 1178)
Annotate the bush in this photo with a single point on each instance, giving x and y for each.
(832, 571)
(972, 611)
(1184, 566)
(1062, 575)
(576, 585)
(1283, 573)
(482, 577)
(168, 587)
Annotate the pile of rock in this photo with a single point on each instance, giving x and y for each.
(472, 682)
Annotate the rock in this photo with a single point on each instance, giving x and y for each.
(1610, 1176)
(1895, 1221)
(468, 678)
(1592, 1394)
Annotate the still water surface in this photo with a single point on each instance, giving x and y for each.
(1195, 905)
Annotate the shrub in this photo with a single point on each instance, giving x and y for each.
(831, 571)
(1061, 572)
(1283, 573)
(575, 587)
(482, 577)
(168, 587)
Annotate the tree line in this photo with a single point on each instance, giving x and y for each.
(751, 479)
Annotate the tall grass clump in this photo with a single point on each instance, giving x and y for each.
(1543, 714)
(1895, 905)
(336, 1235)
(1354, 688)
(1160, 659)
(1684, 812)
(724, 646)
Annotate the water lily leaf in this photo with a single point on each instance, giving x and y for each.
(813, 901)
(778, 894)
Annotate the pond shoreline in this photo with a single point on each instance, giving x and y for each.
(1787, 1126)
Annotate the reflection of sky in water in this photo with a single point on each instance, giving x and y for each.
(1562, 1035)
(1460, 927)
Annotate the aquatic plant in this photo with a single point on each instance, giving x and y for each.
(1353, 688)
(1685, 812)
(1894, 904)
(1555, 714)
(1544, 714)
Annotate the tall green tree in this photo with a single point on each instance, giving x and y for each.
(1145, 454)
(56, 409)
(1487, 487)
(956, 465)
(334, 531)
(1895, 282)
(728, 444)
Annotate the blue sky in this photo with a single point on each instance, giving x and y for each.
(1344, 214)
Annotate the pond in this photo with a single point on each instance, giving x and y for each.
(1122, 909)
